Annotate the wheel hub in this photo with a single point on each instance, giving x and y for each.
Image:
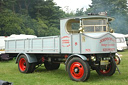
(24, 64)
(76, 70)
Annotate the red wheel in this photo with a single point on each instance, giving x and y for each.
(78, 70)
(117, 60)
(109, 71)
(22, 64)
(106, 70)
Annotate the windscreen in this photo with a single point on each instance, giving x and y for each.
(95, 25)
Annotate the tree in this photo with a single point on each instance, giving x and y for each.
(38, 17)
(10, 23)
(47, 11)
(80, 12)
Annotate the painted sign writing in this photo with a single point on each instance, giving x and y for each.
(87, 50)
(108, 49)
(107, 39)
(75, 43)
(65, 41)
(108, 46)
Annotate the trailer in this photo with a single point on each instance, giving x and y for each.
(2, 44)
(84, 43)
(126, 38)
(121, 41)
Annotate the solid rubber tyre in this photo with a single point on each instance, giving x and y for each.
(51, 66)
(111, 68)
(78, 70)
(24, 66)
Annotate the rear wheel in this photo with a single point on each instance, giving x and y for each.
(24, 66)
(51, 66)
(109, 71)
(78, 70)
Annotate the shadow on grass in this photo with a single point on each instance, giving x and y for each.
(62, 73)
(43, 70)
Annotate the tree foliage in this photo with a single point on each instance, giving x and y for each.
(80, 12)
(38, 17)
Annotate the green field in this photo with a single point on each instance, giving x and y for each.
(9, 72)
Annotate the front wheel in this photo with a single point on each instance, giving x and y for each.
(78, 70)
(109, 71)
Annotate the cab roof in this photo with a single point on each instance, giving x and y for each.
(91, 17)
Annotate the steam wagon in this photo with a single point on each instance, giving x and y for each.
(84, 43)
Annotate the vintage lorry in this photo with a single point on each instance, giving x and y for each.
(84, 43)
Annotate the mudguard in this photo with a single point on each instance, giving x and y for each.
(75, 55)
(31, 58)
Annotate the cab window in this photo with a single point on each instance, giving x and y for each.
(95, 25)
(72, 26)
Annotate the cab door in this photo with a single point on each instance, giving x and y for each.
(76, 43)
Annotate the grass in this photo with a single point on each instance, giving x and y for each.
(9, 72)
